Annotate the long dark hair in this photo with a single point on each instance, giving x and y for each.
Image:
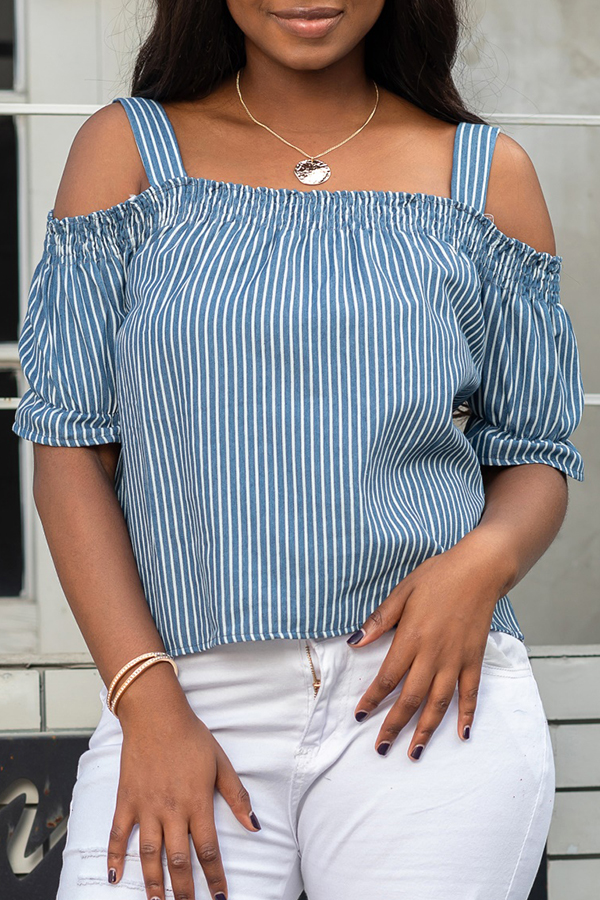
(195, 44)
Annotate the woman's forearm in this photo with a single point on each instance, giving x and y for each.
(88, 538)
(525, 506)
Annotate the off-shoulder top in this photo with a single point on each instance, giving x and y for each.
(280, 368)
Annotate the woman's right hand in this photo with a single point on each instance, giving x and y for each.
(170, 767)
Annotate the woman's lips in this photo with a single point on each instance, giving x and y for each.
(303, 27)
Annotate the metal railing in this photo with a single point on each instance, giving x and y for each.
(21, 108)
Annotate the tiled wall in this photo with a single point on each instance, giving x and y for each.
(43, 698)
(49, 698)
(569, 687)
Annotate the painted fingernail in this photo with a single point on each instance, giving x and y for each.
(416, 753)
(383, 748)
(466, 732)
(220, 896)
(360, 715)
(112, 876)
(356, 637)
(254, 820)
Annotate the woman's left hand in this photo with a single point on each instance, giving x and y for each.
(444, 610)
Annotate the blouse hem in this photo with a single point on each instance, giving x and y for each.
(231, 638)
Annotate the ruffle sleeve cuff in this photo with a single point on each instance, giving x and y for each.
(530, 397)
(66, 347)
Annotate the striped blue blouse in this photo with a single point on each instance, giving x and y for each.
(280, 368)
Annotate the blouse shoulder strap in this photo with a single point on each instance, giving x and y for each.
(155, 138)
(473, 150)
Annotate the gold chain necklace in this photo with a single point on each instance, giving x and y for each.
(311, 170)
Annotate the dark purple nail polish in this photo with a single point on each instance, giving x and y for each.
(383, 748)
(466, 732)
(417, 751)
(360, 715)
(220, 896)
(254, 820)
(112, 876)
(356, 637)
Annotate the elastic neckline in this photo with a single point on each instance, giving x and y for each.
(319, 199)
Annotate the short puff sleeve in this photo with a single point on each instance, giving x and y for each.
(530, 398)
(67, 341)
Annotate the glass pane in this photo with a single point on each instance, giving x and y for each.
(7, 42)
(9, 231)
(11, 542)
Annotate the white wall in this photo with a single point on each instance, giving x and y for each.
(543, 56)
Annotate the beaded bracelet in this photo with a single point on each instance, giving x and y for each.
(150, 660)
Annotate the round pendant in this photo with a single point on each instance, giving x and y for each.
(312, 171)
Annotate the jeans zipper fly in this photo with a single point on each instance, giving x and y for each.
(316, 681)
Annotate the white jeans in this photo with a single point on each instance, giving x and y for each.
(468, 821)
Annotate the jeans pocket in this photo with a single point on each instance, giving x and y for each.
(505, 655)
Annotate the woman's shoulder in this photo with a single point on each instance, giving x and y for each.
(103, 167)
(515, 198)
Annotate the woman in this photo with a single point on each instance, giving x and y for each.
(256, 380)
